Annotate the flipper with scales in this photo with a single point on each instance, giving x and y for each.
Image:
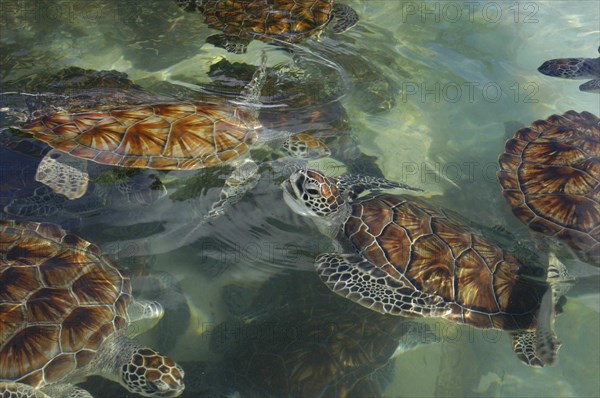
(65, 174)
(540, 347)
(356, 184)
(345, 18)
(232, 44)
(356, 279)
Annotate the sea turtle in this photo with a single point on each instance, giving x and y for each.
(287, 21)
(402, 256)
(550, 176)
(65, 308)
(575, 68)
(173, 135)
(304, 343)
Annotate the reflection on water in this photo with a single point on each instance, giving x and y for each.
(423, 92)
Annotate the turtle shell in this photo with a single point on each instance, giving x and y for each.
(166, 136)
(550, 176)
(435, 252)
(288, 20)
(60, 297)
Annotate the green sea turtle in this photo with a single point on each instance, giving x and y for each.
(162, 135)
(575, 68)
(402, 256)
(65, 310)
(304, 343)
(550, 176)
(284, 21)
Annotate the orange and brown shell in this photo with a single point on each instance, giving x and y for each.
(550, 176)
(288, 20)
(167, 136)
(60, 297)
(434, 251)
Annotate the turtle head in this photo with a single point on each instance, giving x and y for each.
(310, 193)
(151, 374)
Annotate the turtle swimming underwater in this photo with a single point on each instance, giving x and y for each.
(65, 308)
(288, 21)
(175, 135)
(399, 255)
(575, 68)
(550, 176)
(305, 343)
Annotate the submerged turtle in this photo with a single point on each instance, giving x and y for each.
(288, 21)
(64, 309)
(399, 255)
(304, 343)
(550, 176)
(176, 135)
(575, 68)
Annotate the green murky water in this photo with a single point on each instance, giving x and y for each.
(431, 90)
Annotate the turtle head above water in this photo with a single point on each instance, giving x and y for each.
(310, 193)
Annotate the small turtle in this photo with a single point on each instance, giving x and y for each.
(64, 309)
(550, 176)
(176, 135)
(288, 21)
(575, 68)
(399, 255)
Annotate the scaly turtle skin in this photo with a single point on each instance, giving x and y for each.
(575, 68)
(550, 176)
(288, 21)
(399, 255)
(64, 308)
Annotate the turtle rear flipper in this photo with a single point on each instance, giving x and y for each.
(345, 18)
(63, 173)
(540, 347)
(360, 281)
(593, 86)
(232, 44)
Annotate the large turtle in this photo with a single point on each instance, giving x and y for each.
(575, 68)
(550, 176)
(64, 309)
(402, 256)
(288, 21)
(166, 135)
(305, 343)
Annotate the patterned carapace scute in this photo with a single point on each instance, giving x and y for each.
(167, 136)
(550, 176)
(60, 297)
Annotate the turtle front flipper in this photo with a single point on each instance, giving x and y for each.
(244, 178)
(66, 391)
(63, 173)
(232, 44)
(345, 18)
(593, 86)
(357, 184)
(360, 281)
(20, 390)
